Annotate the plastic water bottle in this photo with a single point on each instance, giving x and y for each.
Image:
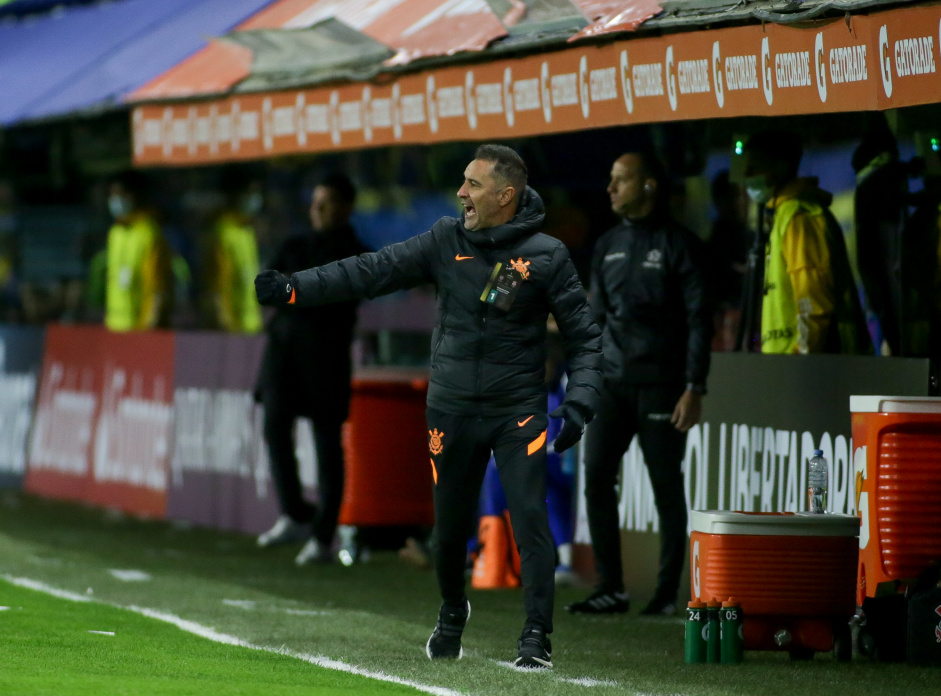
(732, 635)
(817, 480)
(696, 640)
(713, 638)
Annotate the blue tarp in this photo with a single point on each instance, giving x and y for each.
(88, 57)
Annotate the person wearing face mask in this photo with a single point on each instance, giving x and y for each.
(497, 278)
(138, 286)
(648, 293)
(810, 303)
(232, 256)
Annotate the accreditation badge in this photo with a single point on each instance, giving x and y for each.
(501, 287)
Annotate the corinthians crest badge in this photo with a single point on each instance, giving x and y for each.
(434, 443)
(520, 267)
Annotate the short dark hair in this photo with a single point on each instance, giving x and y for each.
(340, 184)
(507, 164)
(782, 146)
(651, 164)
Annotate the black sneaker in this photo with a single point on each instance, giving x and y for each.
(445, 641)
(535, 650)
(602, 603)
(659, 607)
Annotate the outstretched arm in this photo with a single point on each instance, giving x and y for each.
(395, 267)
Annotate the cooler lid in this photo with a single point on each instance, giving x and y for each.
(774, 523)
(895, 404)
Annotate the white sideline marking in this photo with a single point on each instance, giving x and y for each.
(319, 660)
(48, 589)
(587, 681)
(224, 638)
(580, 681)
(307, 612)
(103, 633)
(240, 603)
(129, 575)
(4, 608)
(524, 670)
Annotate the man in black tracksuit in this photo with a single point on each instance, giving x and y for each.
(648, 294)
(497, 279)
(305, 372)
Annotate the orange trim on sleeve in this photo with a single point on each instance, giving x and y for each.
(536, 444)
(434, 471)
(293, 296)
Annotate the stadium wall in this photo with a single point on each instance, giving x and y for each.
(163, 425)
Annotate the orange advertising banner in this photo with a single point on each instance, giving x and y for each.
(103, 424)
(880, 61)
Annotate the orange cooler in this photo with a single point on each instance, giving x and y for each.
(897, 467)
(793, 573)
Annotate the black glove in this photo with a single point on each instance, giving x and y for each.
(273, 288)
(573, 425)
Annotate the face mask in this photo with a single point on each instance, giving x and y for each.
(119, 207)
(251, 204)
(758, 189)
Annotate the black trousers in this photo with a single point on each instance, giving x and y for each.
(460, 448)
(279, 435)
(624, 412)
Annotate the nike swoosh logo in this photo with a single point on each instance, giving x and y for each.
(458, 257)
(524, 422)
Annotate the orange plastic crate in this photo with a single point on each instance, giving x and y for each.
(897, 467)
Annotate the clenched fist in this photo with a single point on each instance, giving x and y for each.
(273, 288)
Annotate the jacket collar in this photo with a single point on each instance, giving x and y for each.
(644, 224)
(805, 189)
(527, 221)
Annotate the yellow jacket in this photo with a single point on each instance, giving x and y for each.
(233, 265)
(810, 302)
(138, 280)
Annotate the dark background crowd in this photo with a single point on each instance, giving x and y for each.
(55, 218)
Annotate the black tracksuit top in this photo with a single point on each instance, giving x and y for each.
(648, 293)
(484, 360)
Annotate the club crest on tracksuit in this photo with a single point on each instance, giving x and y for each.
(520, 267)
(434, 444)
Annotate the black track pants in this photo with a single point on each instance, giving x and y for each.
(279, 435)
(460, 448)
(644, 411)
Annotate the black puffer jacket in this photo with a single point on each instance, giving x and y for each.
(648, 294)
(307, 356)
(484, 360)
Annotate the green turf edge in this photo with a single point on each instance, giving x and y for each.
(49, 648)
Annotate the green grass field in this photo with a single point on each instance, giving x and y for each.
(256, 624)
